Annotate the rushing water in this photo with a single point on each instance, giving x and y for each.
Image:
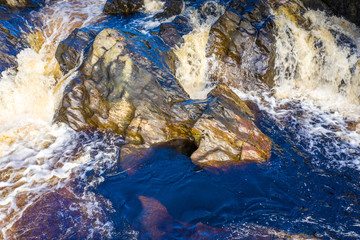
(52, 176)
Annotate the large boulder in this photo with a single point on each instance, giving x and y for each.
(242, 43)
(123, 7)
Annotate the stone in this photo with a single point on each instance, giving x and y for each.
(172, 33)
(226, 134)
(171, 8)
(242, 43)
(123, 7)
(70, 50)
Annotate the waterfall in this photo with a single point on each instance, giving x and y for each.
(319, 59)
(35, 154)
(193, 66)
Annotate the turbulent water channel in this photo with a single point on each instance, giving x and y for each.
(62, 182)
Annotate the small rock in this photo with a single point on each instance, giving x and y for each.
(70, 50)
(171, 8)
(123, 7)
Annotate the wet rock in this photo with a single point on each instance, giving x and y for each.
(242, 42)
(172, 33)
(11, 39)
(123, 89)
(171, 8)
(123, 7)
(226, 134)
(71, 49)
(23, 3)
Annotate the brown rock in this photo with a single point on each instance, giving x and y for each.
(226, 134)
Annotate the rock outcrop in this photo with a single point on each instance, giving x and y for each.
(242, 43)
(122, 88)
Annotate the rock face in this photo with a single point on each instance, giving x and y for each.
(124, 7)
(23, 3)
(122, 88)
(242, 42)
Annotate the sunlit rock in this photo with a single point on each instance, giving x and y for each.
(242, 43)
(226, 134)
(121, 88)
(123, 7)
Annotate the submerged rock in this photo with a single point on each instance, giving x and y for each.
(125, 85)
(59, 213)
(123, 7)
(242, 42)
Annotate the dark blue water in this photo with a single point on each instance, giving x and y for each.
(289, 193)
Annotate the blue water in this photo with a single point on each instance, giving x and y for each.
(289, 193)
